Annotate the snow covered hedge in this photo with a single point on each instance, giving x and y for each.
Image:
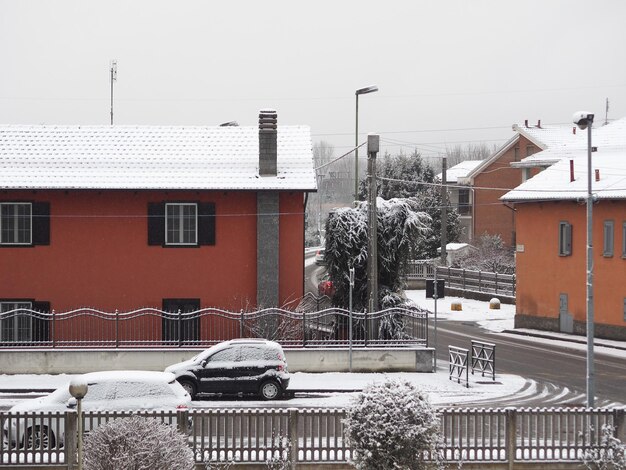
(393, 426)
(137, 443)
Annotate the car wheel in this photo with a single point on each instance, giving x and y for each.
(270, 390)
(189, 387)
(40, 437)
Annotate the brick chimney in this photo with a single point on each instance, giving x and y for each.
(267, 142)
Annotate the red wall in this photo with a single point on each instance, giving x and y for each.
(99, 255)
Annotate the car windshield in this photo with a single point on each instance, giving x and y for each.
(206, 353)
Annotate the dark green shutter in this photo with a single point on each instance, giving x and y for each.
(206, 223)
(156, 223)
(41, 223)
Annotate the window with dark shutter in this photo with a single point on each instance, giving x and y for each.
(24, 323)
(565, 239)
(181, 224)
(608, 237)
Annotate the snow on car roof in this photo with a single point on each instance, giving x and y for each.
(128, 376)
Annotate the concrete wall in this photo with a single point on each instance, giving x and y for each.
(46, 361)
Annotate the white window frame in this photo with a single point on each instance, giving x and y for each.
(565, 238)
(15, 330)
(181, 227)
(608, 239)
(16, 224)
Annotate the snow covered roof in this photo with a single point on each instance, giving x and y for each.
(560, 139)
(460, 170)
(554, 182)
(151, 157)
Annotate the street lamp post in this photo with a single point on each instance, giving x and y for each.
(360, 91)
(78, 389)
(584, 120)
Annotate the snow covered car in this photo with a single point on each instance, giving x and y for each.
(236, 367)
(107, 391)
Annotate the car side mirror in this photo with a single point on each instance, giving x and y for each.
(71, 403)
(204, 363)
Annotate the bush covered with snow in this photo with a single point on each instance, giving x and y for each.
(137, 443)
(492, 255)
(393, 426)
(610, 455)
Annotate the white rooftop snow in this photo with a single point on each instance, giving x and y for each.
(554, 183)
(558, 140)
(151, 157)
(460, 170)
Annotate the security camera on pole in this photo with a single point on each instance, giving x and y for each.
(584, 120)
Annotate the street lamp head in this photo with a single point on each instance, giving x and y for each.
(78, 388)
(367, 89)
(583, 119)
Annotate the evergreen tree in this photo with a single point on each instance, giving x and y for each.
(403, 176)
(400, 229)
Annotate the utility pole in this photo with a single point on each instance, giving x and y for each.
(113, 79)
(373, 145)
(606, 113)
(444, 212)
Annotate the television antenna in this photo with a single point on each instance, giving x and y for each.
(113, 79)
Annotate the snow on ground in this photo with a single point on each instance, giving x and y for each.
(473, 311)
(327, 386)
(501, 321)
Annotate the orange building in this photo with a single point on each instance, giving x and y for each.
(175, 218)
(551, 228)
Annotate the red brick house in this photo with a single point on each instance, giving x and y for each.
(121, 217)
(551, 235)
(488, 181)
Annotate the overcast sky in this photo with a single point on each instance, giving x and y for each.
(441, 66)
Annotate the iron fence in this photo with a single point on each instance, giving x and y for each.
(465, 279)
(319, 435)
(153, 328)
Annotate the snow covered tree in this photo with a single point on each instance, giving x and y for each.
(491, 255)
(403, 176)
(399, 176)
(429, 200)
(392, 426)
(400, 228)
(136, 443)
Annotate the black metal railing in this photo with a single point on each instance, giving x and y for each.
(150, 328)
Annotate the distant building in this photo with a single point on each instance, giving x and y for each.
(461, 197)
